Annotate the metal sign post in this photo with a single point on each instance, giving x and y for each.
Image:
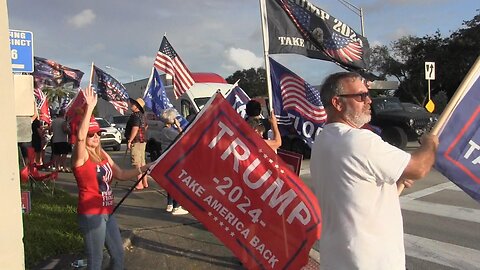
(429, 75)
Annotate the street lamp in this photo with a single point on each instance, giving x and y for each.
(356, 10)
(116, 69)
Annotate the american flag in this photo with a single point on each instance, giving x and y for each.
(340, 48)
(42, 105)
(296, 103)
(110, 89)
(55, 74)
(64, 102)
(168, 61)
(343, 48)
(300, 96)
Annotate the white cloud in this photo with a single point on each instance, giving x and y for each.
(242, 59)
(82, 19)
(143, 61)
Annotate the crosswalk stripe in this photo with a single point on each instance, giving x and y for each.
(426, 191)
(443, 210)
(442, 253)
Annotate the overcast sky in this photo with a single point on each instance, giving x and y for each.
(219, 36)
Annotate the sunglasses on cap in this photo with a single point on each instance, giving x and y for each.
(363, 96)
(90, 135)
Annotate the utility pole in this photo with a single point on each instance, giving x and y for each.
(356, 10)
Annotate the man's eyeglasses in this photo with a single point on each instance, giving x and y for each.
(90, 135)
(363, 96)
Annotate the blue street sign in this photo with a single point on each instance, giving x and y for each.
(21, 47)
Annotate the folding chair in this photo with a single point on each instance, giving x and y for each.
(31, 173)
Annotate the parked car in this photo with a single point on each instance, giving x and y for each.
(111, 137)
(398, 124)
(120, 122)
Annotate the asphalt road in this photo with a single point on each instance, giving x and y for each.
(441, 222)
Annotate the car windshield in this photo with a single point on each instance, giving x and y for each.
(120, 119)
(103, 123)
(387, 105)
(201, 102)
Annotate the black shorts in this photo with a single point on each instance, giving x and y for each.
(37, 145)
(61, 148)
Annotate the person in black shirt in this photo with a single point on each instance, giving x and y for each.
(135, 132)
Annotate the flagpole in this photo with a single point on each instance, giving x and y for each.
(148, 83)
(91, 76)
(263, 16)
(231, 88)
(457, 97)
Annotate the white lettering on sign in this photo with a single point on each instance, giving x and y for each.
(265, 252)
(239, 151)
(307, 129)
(473, 146)
(191, 183)
(18, 39)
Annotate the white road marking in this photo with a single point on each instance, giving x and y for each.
(426, 191)
(442, 253)
(443, 210)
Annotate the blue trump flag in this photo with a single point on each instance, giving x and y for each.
(458, 155)
(296, 103)
(238, 99)
(156, 99)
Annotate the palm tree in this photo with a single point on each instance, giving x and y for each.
(55, 95)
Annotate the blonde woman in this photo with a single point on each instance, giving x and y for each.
(94, 169)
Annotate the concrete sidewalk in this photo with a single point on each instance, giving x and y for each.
(155, 239)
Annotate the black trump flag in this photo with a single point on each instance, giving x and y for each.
(299, 27)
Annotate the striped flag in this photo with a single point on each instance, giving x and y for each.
(168, 61)
(74, 112)
(42, 105)
(110, 89)
(296, 103)
(302, 28)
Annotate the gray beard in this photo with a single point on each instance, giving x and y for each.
(357, 119)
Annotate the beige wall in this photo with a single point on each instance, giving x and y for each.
(11, 229)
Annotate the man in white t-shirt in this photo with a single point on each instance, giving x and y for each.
(355, 175)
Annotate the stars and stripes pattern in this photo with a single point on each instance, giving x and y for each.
(64, 103)
(42, 105)
(40, 97)
(300, 96)
(168, 61)
(343, 48)
(296, 103)
(110, 89)
(55, 74)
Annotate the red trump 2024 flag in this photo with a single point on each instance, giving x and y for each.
(232, 181)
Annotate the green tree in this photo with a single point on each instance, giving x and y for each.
(55, 95)
(252, 81)
(405, 59)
